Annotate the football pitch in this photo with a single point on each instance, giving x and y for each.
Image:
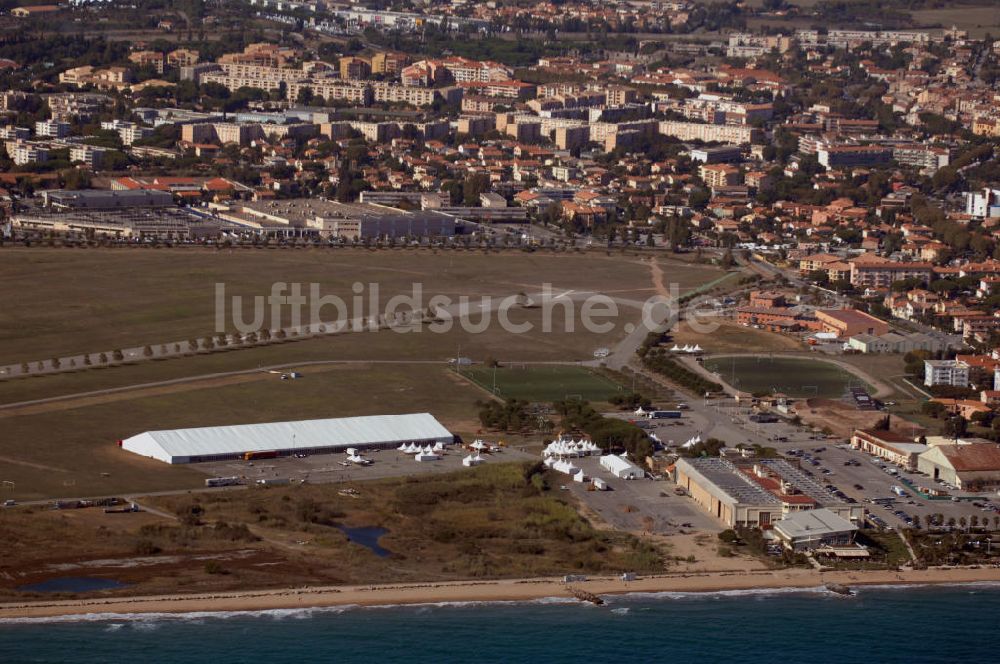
(794, 377)
(543, 383)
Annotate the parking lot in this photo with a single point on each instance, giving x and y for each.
(829, 459)
(324, 468)
(639, 505)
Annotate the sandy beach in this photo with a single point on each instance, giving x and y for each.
(481, 591)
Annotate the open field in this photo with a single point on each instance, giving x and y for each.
(64, 454)
(888, 368)
(500, 520)
(978, 20)
(543, 383)
(62, 301)
(795, 377)
(414, 345)
(842, 418)
(729, 337)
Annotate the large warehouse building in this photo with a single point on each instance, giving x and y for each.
(274, 439)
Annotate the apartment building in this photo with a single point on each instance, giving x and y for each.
(461, 70)
(354, 67)
(152, 59)
(87, 154)
(132, 133)
(986, 126)
(389, 62)
(15, 133)
(694, 131)
(22, 153)
(875, 272)
(946, 372)
(67, 106)
(839, 156)
(983, 204)
(473, 125)
(617, 95)
(570, 137)
(506, 89)
(747, 45)
(182, 57)
(261, 54)
(332, 89)
(220, 132)
(924, 157)
(720, 175)
(464, 70)
(392, 93)
(52, 129)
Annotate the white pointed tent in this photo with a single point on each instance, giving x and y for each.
(472, 460)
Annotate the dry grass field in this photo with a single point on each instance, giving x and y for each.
(978, 20)
(72, 452)
(732, 338)
(62, 301)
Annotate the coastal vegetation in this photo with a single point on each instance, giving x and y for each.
(494, 521)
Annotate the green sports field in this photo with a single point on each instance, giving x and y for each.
(795, 377)
(543, 383)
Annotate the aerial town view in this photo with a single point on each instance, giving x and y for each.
(504, 331)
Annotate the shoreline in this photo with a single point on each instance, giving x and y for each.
(506, 590)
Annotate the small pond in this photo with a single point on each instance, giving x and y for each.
(73, 584)
(368, 537)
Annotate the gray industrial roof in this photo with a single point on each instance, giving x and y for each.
(813, 523)
(179, 445)
(727, 479)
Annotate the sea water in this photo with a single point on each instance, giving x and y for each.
(878, 625)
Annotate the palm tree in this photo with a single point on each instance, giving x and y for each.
(55, 362)
(25, 368)
(147, 351)
(103, 358)
(962, 521)
(192, 345)
(117, 355)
